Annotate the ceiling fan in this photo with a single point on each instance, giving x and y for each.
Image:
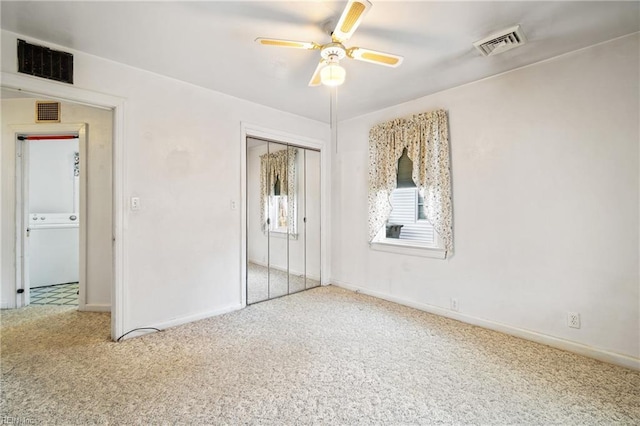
(329, 71)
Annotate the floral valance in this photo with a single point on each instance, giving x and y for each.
(426, 138)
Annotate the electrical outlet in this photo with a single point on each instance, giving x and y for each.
(573, 319)
(454, 304)
(234, 206)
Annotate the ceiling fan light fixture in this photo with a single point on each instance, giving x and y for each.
(332, 74)
(328, 72)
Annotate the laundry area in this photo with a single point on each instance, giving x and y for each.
(52, 194)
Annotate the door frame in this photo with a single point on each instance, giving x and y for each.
(64, 92)
(22, 211)
(261, 132)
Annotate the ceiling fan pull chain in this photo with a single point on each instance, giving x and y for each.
(333, 109)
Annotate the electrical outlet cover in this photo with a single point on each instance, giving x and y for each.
(573, 319)
(454, 304)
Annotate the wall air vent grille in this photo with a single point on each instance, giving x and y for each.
(43, 62)
(501, 42)
(47, 112)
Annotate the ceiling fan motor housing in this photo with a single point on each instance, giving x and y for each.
(333, 52)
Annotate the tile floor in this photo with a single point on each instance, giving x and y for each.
(60, 294)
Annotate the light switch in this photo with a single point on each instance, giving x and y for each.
(135, 203)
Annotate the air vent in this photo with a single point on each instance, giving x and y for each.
(501, 42)
(47, 112)
(43, 62)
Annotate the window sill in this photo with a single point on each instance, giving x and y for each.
(412, 250)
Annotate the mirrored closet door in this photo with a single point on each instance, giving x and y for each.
(283, 219)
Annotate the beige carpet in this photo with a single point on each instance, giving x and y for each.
(324, 356)
(264, 283)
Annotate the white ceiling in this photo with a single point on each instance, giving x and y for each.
(211, 44)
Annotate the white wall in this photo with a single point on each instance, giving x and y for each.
(545, 195)
(182, 153)
(53, 188)
(16, 112)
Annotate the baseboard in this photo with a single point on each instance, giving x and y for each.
(140, 331)
(555, 342)
(291, 271)
(96, 307)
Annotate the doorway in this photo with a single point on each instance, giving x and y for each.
(283, 206)
(51, 189)
(94, 190)
(110, 220)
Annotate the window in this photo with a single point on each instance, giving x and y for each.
(278, 191)
(408, 216)
(410, 205)
(407, 224)
(277, 206)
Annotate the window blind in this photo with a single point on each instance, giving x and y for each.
(405, 169)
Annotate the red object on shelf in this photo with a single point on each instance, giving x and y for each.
(44, 137)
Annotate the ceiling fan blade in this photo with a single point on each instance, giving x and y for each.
(309, 45)
(315, 79)
(350, 19)
(375, 57)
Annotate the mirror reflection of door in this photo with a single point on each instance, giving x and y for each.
(312, 219)
(257, 237)
(277, 196)
(275, 173)
(297, 241)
